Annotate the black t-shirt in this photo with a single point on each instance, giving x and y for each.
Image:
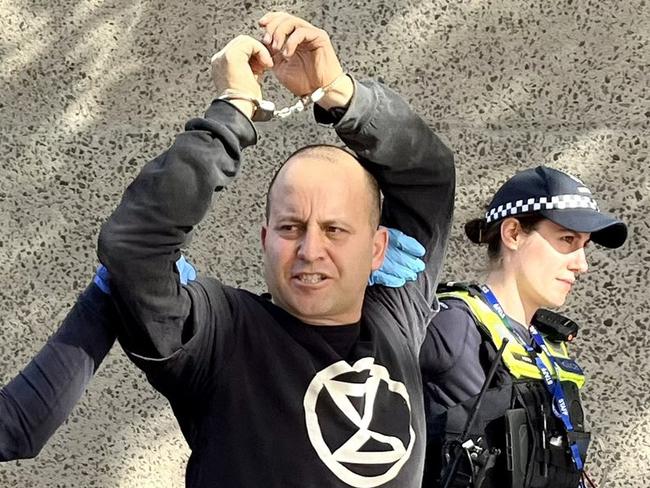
(270, 401)
(340, 337)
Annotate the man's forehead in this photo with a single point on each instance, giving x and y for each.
(332, 158)
(321, 197)
(324, 176)
(315, 173)
(323, 152)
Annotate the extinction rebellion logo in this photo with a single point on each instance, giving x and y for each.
(359, 422)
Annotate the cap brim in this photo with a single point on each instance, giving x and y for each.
(605, 229)
(473, 230)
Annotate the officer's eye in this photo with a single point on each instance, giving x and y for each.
(570, 239)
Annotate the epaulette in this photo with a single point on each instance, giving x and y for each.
(450, 286)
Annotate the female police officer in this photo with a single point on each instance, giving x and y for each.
(528, 427)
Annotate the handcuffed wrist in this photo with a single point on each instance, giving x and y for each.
(262, 110)
(338, 93)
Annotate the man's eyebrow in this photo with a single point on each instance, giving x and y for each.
(289, 217)
(336, 222)
(288, 214)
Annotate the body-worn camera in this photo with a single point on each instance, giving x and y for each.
(555, 326)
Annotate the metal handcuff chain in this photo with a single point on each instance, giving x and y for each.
(265, 110)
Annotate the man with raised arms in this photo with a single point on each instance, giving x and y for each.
(318, 385)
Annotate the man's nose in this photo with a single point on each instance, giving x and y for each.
(312, 246)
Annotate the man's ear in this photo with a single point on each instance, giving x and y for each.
(379, 246)
(511, 233)
(263, 237)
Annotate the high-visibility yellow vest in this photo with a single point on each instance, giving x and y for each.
(515, 357)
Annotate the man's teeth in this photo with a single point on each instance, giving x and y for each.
(311, 278)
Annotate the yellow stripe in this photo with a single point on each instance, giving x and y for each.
(515, 356)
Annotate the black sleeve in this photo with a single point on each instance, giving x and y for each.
(416, 174)
(205, 346)
(37, 401)
(141, 241)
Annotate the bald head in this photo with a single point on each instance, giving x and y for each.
(330, 155)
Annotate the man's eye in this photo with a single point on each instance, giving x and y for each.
(288, 228)
(334, 230)
(569, 239)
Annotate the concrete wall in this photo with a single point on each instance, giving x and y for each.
(91, 90)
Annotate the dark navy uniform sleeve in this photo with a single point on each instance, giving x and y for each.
(450, 358)
(446, 338)
(37, 401)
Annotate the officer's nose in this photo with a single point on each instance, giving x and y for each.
(579, 261)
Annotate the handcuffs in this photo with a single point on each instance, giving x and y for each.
(266, 110)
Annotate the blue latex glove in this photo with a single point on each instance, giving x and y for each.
(185, 270)
(102, 278)
(401, 263)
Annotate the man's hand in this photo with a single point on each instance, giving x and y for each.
(238, 69)
(402, 262)
(304, 59)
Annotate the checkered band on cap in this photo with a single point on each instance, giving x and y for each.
(558, 202)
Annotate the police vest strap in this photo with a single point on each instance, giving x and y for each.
(515, 357)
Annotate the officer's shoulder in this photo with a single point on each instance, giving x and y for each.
(452, 296)
(457, 289)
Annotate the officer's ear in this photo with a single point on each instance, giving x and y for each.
(511, 233)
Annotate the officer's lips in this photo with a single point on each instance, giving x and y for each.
(567, 281)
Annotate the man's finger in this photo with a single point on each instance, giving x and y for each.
(254, 49)
(278, 26)
(261, 60)
(232, 46)
(285, 28)
(270, 20)
(267, 17)
(248, 49)
(303, 35)
(269, 23)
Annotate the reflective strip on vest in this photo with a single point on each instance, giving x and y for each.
(515, 356)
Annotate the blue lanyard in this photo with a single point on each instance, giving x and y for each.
(554, 387)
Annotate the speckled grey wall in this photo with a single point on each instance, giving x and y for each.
(91, 90)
